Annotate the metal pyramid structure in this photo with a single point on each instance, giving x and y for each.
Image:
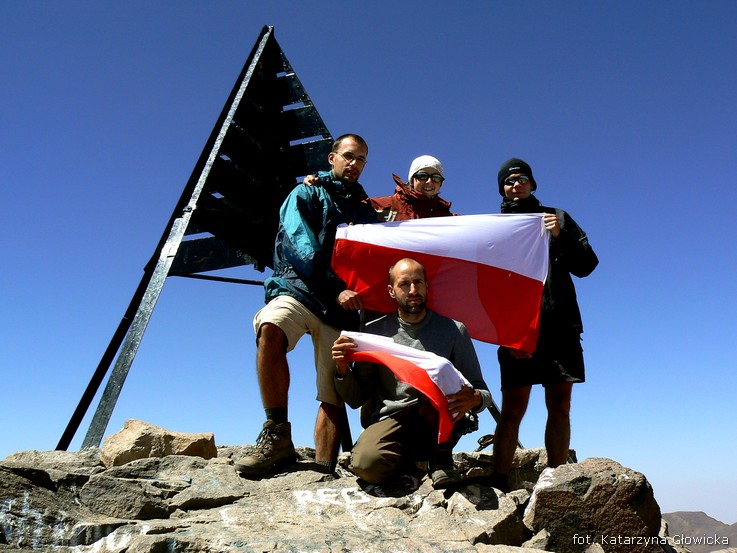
(268, 135)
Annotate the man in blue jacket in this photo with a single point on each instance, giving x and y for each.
(303, 296)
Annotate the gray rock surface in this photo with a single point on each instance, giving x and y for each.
(70, 502)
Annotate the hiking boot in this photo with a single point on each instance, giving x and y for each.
(444, 477)
(273, 447)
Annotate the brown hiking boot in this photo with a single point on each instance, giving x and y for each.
(273, 447)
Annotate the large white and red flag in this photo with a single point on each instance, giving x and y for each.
(486, 271)
(432, 375)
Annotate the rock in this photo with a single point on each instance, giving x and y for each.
(481, 548)
(595, 501)
(140, 440)
(490, 517)
(154, 488)
(61, 502)
(539, 540)
(526, 466)
(180, 503)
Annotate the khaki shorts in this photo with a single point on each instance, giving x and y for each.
(296, 320)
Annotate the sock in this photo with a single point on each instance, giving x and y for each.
(276, 414)
(329, 465)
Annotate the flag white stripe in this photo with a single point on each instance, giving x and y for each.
(441, 371)
(513, 242)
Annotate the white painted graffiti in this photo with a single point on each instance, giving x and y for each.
(332, 496)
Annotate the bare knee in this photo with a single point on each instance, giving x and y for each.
(271, 336)
(271, 353)
(514, 405)
(334, 413)
(558, 399)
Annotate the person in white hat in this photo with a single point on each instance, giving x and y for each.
(419, 197)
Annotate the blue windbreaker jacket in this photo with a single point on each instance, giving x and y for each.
(304, 246)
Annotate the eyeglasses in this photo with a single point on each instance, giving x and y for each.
(350, 158)
(522, 179)
(435, 177)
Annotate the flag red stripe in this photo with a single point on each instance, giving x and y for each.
(417, 377)
(496, 305)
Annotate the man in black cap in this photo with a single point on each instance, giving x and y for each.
(558, 359)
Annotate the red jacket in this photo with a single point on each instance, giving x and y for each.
(408, 204)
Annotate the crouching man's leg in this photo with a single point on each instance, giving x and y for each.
(378, 453)
(442, 471)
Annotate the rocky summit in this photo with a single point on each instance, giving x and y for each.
(148, 490)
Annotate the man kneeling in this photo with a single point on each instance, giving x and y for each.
(403, 425)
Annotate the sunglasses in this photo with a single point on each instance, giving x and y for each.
(435, 177)
(522, 179)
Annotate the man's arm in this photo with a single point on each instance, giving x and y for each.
(575, 251)
(464, 358)
(302, 217)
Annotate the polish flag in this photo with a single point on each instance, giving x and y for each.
(432, 375)
(486, 271)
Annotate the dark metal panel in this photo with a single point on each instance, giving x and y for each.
(301, 122)
(204, 254)
(289, 90)
(308, 157)
(237, 229)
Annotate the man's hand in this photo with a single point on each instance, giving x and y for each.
(350, 300)
(552, 224)
(341, 348)
(311, 180)
(464, 401)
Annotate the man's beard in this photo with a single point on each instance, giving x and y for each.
(415, 307)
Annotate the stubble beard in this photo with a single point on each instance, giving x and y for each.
(412, 308)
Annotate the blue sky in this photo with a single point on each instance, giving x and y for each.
(626, 112)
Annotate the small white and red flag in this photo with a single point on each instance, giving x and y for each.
(430, 374)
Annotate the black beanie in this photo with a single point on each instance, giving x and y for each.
(512, 166)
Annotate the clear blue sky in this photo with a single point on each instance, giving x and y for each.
(626, 112)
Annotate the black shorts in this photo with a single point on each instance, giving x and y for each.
(557, 359)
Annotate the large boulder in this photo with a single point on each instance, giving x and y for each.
(140, 440)
(595, 501)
